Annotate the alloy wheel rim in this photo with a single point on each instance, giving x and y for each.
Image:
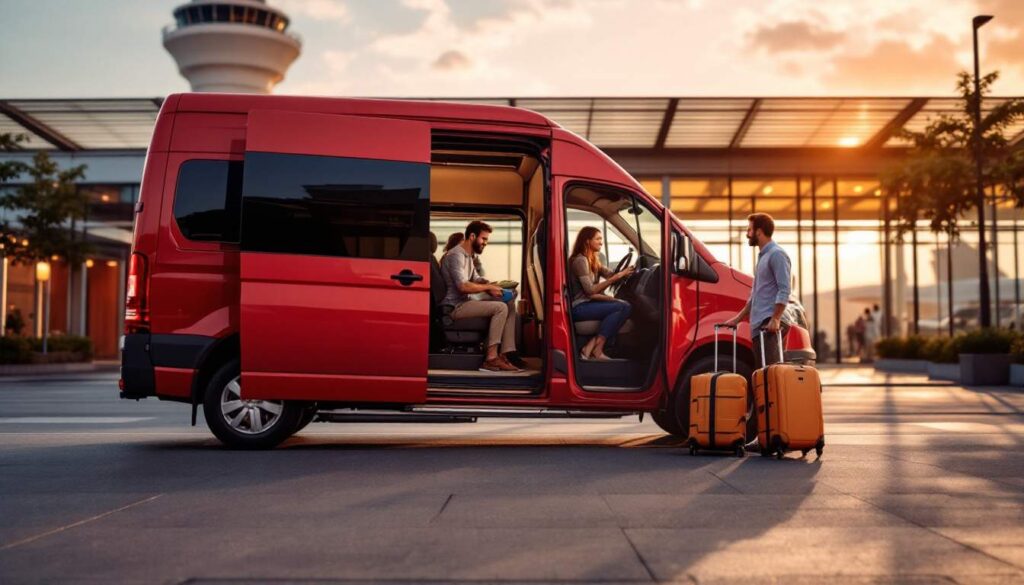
(249, 417)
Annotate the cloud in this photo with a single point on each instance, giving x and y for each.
(335, 10)
(795, 36)
(897, 65)
(452, 60)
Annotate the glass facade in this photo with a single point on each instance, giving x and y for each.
(846, 256)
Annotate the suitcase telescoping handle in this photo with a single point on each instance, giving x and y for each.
(782, 355)
(733, 327)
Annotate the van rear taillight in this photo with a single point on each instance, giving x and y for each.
(136, 306)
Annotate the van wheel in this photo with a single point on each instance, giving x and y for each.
(666, 421)
(246, 424)
(307, 417)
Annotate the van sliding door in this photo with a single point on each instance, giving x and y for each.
(335, 295)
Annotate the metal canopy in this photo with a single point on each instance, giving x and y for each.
(619, 123)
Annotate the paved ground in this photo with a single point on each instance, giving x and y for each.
(919, 484)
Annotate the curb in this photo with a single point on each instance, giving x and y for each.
(44, 369)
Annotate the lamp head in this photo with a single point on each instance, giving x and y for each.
(980, 20)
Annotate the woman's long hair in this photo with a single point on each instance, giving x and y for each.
(582, 248)
(454, 240)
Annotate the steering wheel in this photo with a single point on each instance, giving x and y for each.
(626, 261)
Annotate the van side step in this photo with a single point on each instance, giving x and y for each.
(354, 416)
(517, 412)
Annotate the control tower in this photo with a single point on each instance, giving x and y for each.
(237, 46)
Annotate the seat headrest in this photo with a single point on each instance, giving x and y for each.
(433, 243)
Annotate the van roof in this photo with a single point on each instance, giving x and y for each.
(410, 109)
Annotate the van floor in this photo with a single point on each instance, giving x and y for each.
(526, 382)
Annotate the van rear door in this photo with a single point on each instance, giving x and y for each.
(335, 296)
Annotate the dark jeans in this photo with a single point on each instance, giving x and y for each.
(611, 314)
(772, 352)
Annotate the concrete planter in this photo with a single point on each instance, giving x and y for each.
(1017, 375)
(948, 372)
(979, 369)
(897, 366)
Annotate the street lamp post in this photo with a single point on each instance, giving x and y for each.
(985, 314)
(43, 276)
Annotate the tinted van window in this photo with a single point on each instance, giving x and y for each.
(207, 200)
(329, 206)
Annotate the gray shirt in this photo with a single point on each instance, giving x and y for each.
(584, 280)
(457, 267)
(771, 284)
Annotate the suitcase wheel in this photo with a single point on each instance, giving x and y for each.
(819, 450)
(780, 454)
(804, 452)
(693, 450)
(741, 452)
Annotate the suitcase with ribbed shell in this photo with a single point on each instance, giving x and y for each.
(787, 400)
(718, 408)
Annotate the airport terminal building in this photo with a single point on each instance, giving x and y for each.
(812, 163)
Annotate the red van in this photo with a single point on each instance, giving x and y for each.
(284, 269)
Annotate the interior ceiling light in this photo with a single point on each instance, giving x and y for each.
(768, 189)
(858, 188)
(848, 141)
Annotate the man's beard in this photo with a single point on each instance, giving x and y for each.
(752, 242)
(478, 248)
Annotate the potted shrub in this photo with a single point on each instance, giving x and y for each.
(1017, 359)
(901, 354)
(985, 356)
(943, 362)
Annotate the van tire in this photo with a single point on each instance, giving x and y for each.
(307, 417)
(280, 425)
(666, 421)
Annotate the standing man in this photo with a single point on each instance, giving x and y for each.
(770, 295)
(462, 280)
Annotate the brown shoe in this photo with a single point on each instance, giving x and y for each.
(508, 363)
(497, 365)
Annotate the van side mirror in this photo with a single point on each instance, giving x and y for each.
(688, 263)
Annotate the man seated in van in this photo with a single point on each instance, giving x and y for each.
(462, 279)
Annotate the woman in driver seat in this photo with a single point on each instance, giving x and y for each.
(589, 303)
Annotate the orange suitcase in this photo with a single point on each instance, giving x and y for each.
(788, 405)
(718, 408)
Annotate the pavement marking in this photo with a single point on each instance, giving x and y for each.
(11, 545)
(72, 420)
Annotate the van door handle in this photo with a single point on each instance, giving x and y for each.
(407, 277)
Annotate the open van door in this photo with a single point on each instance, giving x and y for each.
(335, 295)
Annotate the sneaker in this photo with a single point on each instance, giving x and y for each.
(753, 446)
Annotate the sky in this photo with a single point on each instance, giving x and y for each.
(537, 48)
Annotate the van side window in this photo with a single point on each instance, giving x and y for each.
(207, 200)
(331, 206)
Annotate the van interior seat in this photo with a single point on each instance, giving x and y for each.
(455, 330)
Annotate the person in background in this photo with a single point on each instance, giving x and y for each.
(590, 303)
(770, 295)
(876, 314)
(870, 337)
(859, 329)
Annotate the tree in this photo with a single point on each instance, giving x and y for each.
(45, 207)
(937, 179)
